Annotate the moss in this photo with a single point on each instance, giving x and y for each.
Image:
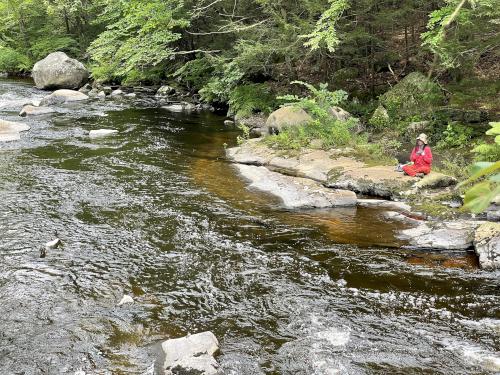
(414, 94)
(334, 174)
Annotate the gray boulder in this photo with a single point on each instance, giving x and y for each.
(284, 117)
(58, 71)
(165, 91)
(63, 96)
(117, 92)
(30, 110)
(487, 245)
(191, 355)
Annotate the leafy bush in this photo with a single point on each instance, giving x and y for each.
(43, 46)
(225, 77)
(247, 99)
(195, 73)
(479, 196)
(455, 135)
(12, 61)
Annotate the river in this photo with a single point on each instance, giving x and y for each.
(156, 212)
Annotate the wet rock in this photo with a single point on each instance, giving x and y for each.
(36, 102)
(101, 94)
(191, 355)
(117, 92)
(296, 192)
(397, 216)
(11, 131)
(380, 203)
(125, 299)
(228, 122)
(58, 71)
(131, 95)
(165, 91)
(29, 110)
(63, 96)
(286, 117)
(107, 90)
(487, 245)
(86, 88)
(180, 107)
(458, 235)
(102, 133)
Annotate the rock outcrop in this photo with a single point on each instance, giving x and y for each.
(58, 71)
(11, 131)
(456, 235)
(63, 96)
(288, 116)
(191, 355)
(487, 245)
(328, 167)
(296, 192)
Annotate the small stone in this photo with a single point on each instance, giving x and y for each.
(125, 299)
(131, 95)
(117, 92)
(102, 133)
(229, 122)
(101, 94)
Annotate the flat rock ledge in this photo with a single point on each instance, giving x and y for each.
(452, 235)
(487, 245)
(296, 192)
(11, 131)
(191, 355)
(334, 170)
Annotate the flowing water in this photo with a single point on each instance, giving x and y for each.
(156, 212)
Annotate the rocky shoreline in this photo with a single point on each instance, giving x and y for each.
(306, 178)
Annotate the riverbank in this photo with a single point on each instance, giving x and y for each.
(407, 199)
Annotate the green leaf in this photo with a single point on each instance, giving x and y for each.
(479, 197)
(482, 172)
(495, 129)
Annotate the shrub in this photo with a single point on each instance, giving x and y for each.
(244, 100)
(455, 135)
(12, 61)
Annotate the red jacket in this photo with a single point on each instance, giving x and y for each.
(424, 160)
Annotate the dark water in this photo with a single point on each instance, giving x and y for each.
(156, 212)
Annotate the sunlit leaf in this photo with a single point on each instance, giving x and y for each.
(479, 197)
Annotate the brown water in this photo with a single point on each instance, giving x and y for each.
(156, 212)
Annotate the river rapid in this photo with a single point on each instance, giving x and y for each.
(157, 213)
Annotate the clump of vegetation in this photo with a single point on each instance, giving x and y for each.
(485, 179)
(12, 61)
(455, 135)
(324, 128)
(245, 100)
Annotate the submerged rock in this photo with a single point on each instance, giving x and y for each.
(102, 133)
(191, 355)
(286, 117)
(296, 192)
(58, 71)
(30, 110)
(487, 245)
(11, 131)
(457, 235)
(63, 96)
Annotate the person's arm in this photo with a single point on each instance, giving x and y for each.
(427, 155)
(413, 156)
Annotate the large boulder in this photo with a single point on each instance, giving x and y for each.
(10, 131)
(413, 95)
(59, 71)
(191, 355)
(487, 245)
(296, 192)
(284, 117)
(63, 96)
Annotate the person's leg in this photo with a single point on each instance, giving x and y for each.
(423, 169)
(409, 170)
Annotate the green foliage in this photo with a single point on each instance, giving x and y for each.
(12, 61)
(244, 100)
(380, 119)
(325, 33)
(195, 73)
(455, 135)
(225, 77)
(486, 180)
(319, 103)
(245, 133)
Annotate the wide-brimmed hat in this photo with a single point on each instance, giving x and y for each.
(422, 137)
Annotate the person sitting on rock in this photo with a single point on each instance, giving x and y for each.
(421, 156)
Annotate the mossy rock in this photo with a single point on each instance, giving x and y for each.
(380, 118)
(413, 95)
